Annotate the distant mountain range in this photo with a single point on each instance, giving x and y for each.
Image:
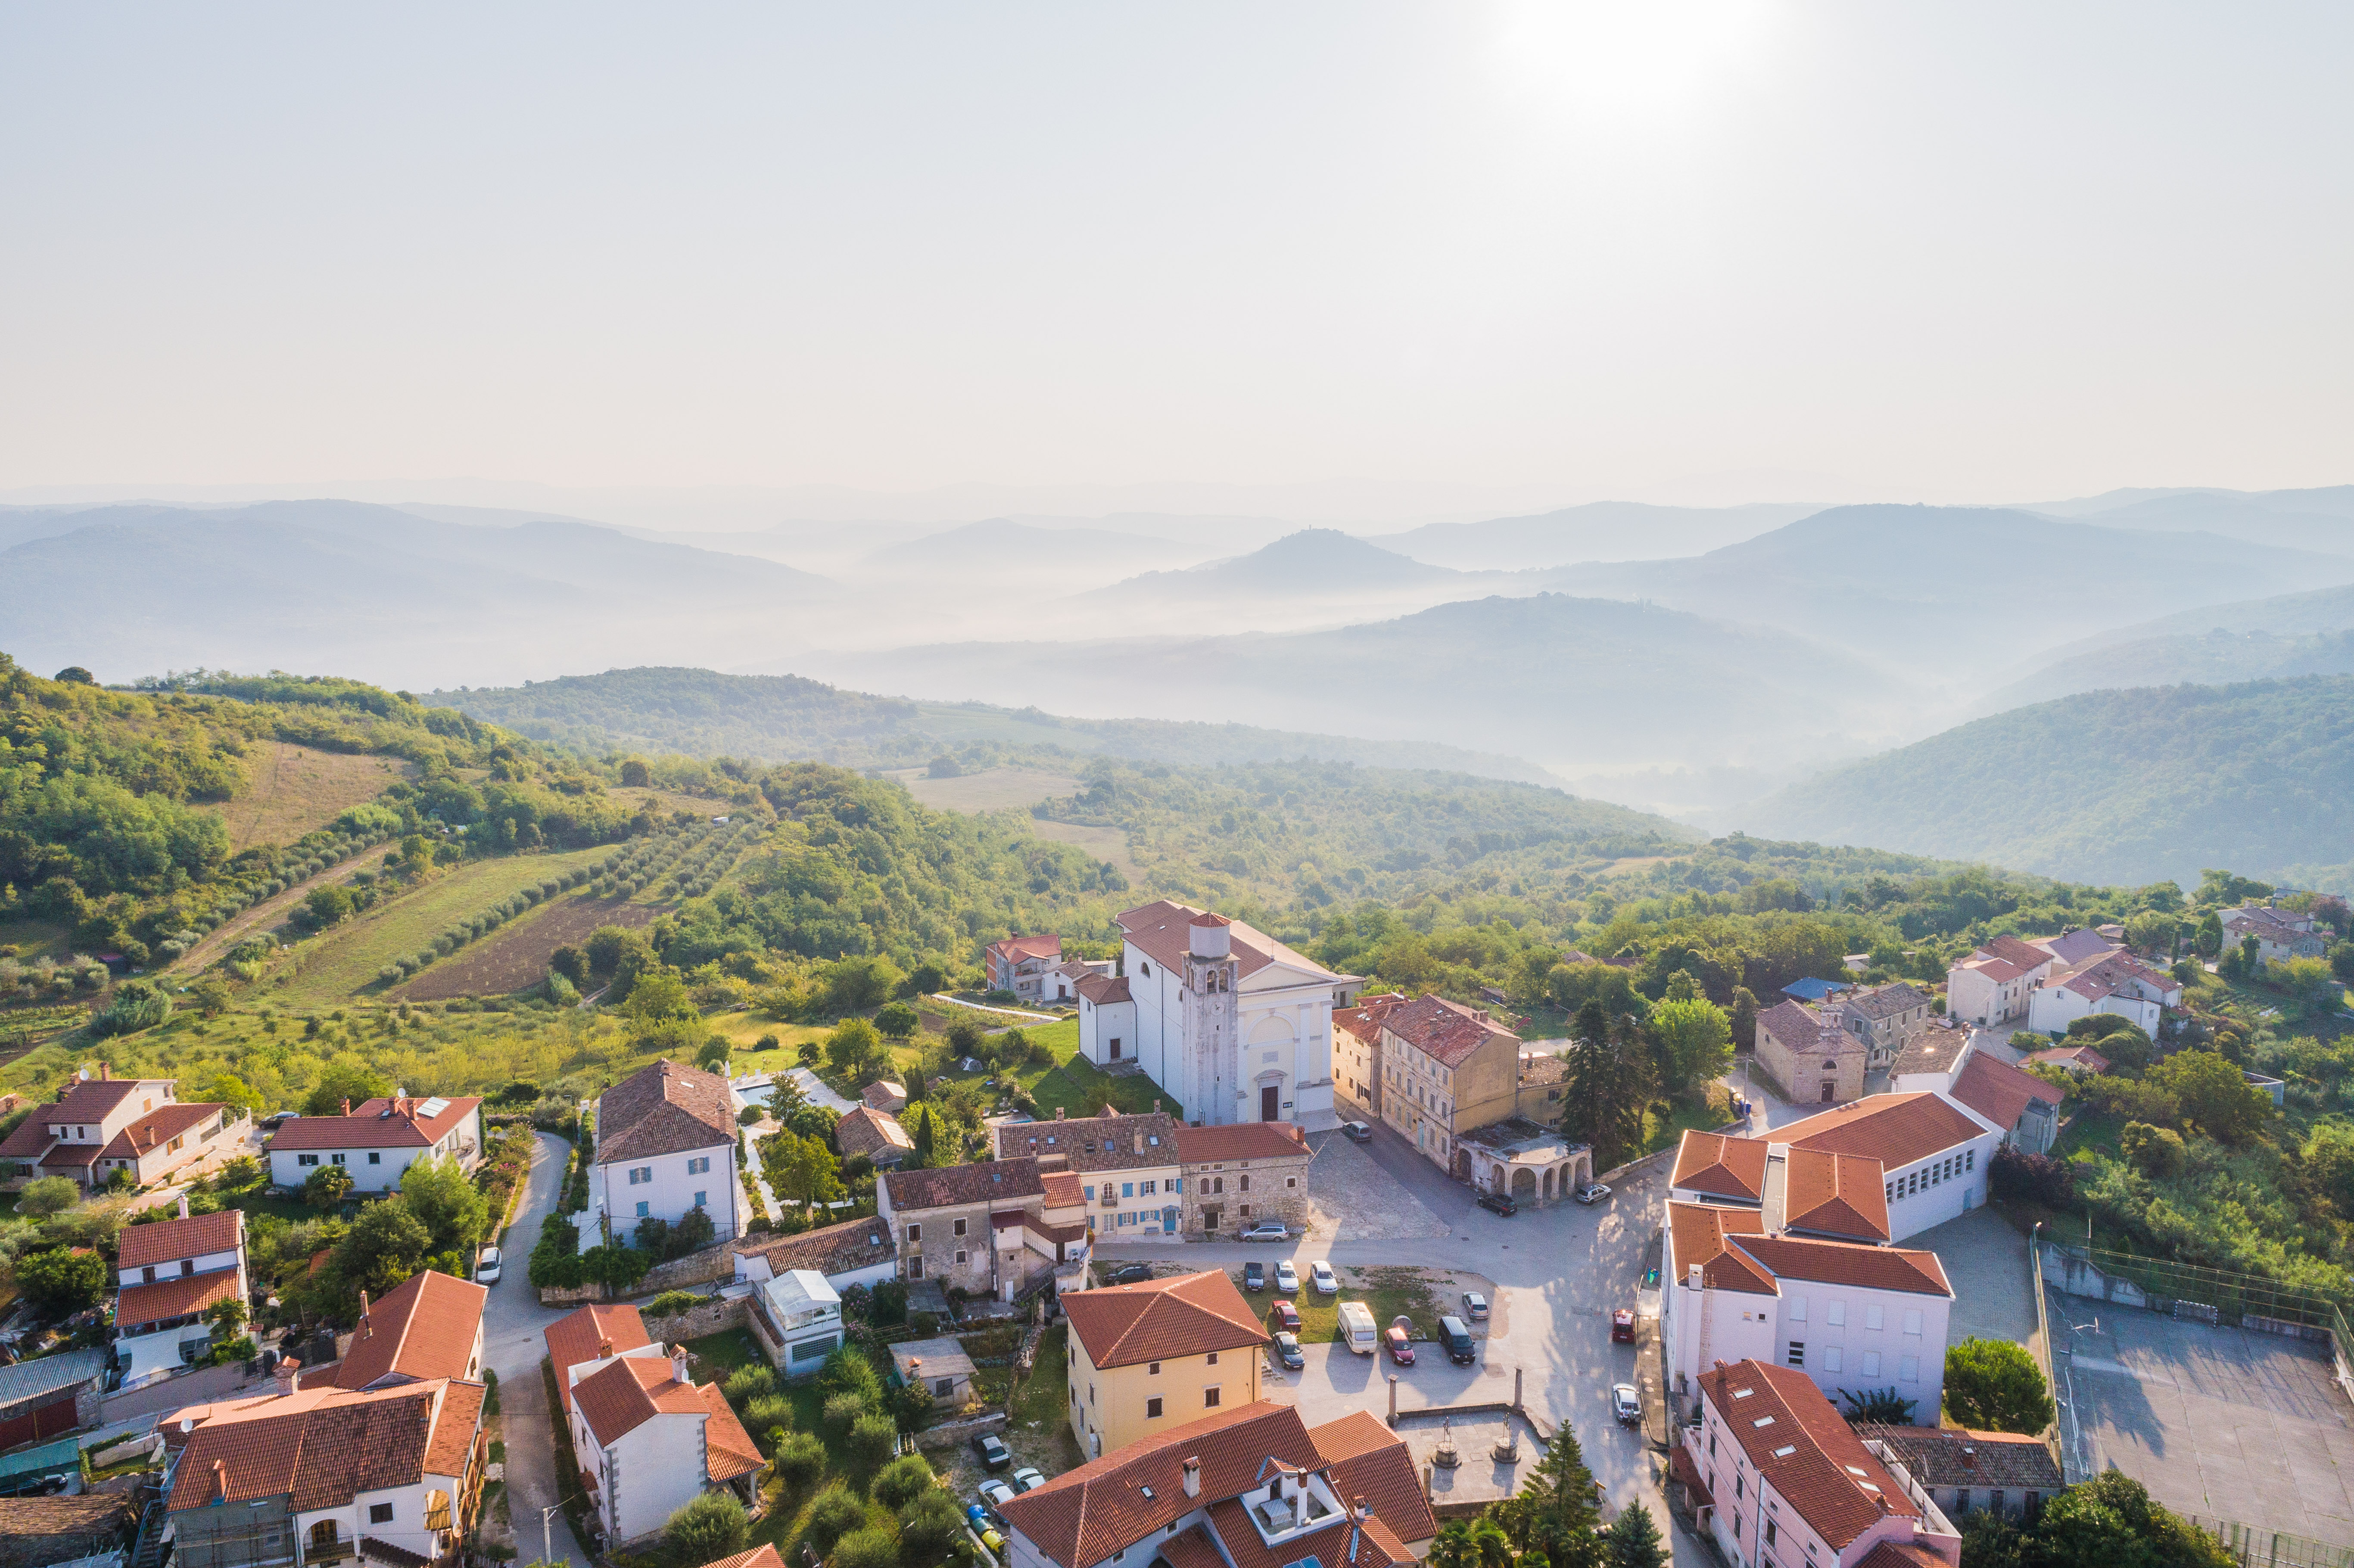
(2289, 634)
(1598, 531)
(2122, 787)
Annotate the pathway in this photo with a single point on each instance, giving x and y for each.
(512, 1321)
(1000, 1011)
(223, 936)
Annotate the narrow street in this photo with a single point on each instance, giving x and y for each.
(512, 1320)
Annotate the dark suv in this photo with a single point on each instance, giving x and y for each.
(1456, 1335)
(1497, 1203)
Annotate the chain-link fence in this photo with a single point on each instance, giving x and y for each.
(2272, 1549)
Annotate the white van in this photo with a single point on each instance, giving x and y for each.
(1357, 1328)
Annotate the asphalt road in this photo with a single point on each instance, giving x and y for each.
(1558, 1273)
(512, 1320)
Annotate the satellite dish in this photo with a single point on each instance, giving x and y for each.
(188, 1425)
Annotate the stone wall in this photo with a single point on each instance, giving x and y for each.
(713, 1263)
(704, 1318)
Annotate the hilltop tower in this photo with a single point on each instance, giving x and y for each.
(1211, 1038)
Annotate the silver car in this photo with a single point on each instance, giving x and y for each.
(1286, 1278)
(1267, 1230)
(1626, 1404)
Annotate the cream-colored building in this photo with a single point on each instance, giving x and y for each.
(1146, 1358)
(1446, 1069)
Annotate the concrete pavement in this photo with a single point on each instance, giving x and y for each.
(1558, 1272)
(512, 1320)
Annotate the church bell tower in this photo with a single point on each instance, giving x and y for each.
(1213, 1041)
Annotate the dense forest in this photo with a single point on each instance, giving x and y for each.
(2125, 786)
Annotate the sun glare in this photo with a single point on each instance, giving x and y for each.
(1615, 62)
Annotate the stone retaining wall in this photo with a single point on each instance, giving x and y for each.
(955, 1433)
(705, 1317)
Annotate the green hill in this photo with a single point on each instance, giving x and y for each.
(2112, 786)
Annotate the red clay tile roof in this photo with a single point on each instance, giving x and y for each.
(173, 1297)
(728, 1450)
(1162, 932)
(1685, 1468)
(1112, 1142)
(665, 1107)
(1847, 1263)
(990, 1182)
(865, 1130)
(1885, 1000)
(1958, 1457)
(1719, 1165)
(1191, 1548)
(1799, 1028)
(1900, 1554)
(158, 1127)
(1368, 1461)
(1364, 1019)
(884, 1095)
(1161, 1320)
(1446, 1032)
(827, 1250)
(574, 1337)
(318, 1446)
(1993, 969)
(1812, 1456)
(2115, 973)
(370, 1127)
(28, 1140)
(1027, 947)
(1083, 1516)
(2082, 1056)
(2000, 1092)
(629, 1390)
(168, 1241)
(1104, 989)
(758, 1557)
(1897, 1130)
(93, 1101)
(424, 1328)
(1845, 1194)
(1063, 1189)
(1242, 1140)
(454, 1429)
(2013, 950)
(1701, 1235)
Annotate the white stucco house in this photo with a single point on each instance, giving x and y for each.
(1234, 1023)
(648, 1438)
(169, 1273)
(665, 1148)
(1991, 986)
(2118, 984)
(378, 1140)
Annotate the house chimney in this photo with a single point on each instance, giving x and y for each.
(1140, 1142)
(347, 1104)
(1192, 1477)
(604, 1350)
(221, 1480)
(1692, 1277)
(184, 1205)
(286, 1372)
(102, 1072)
(1058, 1113)
(367, 1329)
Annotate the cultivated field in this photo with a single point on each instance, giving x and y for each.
(1106, 844)
(515, 956)
(298, 788)
(346, 960)
(266, 915)
(991, 789)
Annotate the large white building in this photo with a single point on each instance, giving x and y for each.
(665, 1148)
(1230, 1021)
(375, 1144)
(2115, 983)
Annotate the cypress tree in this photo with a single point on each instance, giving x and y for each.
(1635, 1539)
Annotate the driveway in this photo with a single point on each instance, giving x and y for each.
(512, 1320)
(1558, 1274)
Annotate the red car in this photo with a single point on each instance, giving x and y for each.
(1622, 1326)
(1401, 1346)
(1286, 1316)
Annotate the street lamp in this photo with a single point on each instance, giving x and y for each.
(546, 1531)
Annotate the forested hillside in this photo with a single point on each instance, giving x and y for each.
(2127, 786)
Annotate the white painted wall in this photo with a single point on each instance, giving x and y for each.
(668, 1189)
(1946, 1186)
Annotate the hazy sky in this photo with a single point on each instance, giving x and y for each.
(1680, 251)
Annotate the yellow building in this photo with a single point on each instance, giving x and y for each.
(1145, 1357)
(1446, 1070)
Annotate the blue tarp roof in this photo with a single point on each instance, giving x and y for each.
(1812, 990)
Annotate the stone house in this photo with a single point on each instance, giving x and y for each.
(1237, 1176)
(939, 1366)
(1128, 1168)
(1884, 1017)
(1446, 1069)
(1000, 1228)
(1810, 1057)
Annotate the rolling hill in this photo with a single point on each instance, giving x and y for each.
(2111, 786)
(2289, 634)
(1941, 587)
(1598, 531)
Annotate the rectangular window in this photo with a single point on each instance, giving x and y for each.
(645, 1210)
(699, 1166)
(1212, 1361)
(915, 1233)
(1835, 1313)
(1970, 1160)
(702, 1199)
(1832, 1356)
(1872, 1315)
(374, 1157)
(1128, 1188)
(960, 1256)
(1153, 1408)
(379, 1513)
(956, 1228)
(1797, 1308)
(1797, 1357)
(1908, 1369)
(1773, 1532)
(1090, 1191)
(1913, 1321)
(1210, 1397)
(306, 1159)
(1146, 1189)
(1127, 1216)
(1178, 1185)
(641, 1174)
(1871, 1363)
(339, 1159)
(1891, 1191)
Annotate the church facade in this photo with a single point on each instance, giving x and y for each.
(1234, 1024)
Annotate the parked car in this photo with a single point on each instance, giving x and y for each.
(1286, 1350)
(994, 1495)
(1129, 1274)
(1593, 1194)
(1498, 1204)
(1456, 1335)
(993, 1452)
(486, 1268)
(1286, 1316)
(1401, 1344)
(1267, 1230)
(1027, 1480)
(1286, 1278)
(1622, 1326)
(1356, 1132)
(1474, 1307)
(1626, 1404)
(1253, 1276)
(1320, 1274)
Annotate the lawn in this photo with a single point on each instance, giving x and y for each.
(1704, 1113)
(1387, 1292)
(298, 788)
(341, 962)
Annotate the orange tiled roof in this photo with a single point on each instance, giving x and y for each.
(1368, 1461)
(574, 1338)
(1161, 1320)
(1860, 1264)
(173, 1298)
(1845, 1194)
(424, 1328)
(370, 1127)
(1797, 1440)
(2000, 1092)
(1242, 1140)
(168, 1241)
(1162, 931)
(1702, 1234)
(1446, 1032)
(1721, 1167)
(1364, 1019)
(1897, 1130)
(663, 1107)
(454, 1429)
(758, 1557)
(629, 1390)
(158, 1128)
(728, 1450)
(321, 1445)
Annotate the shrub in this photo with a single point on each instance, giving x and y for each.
(745, 1382)
(835, 1514)
(868, 1548)
(903, 1480)
(847, 1371)
(2015, 1176)
(890, 1302)
(924, 1324)
(763, 1410)
(929, 1525)
(671, 1302)
(1996, 1385)
(872, 1440)
(709, 1527)
(843, 1411)
(800, 1459)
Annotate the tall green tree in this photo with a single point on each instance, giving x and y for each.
(1695, 1042)
(1635, 1539)
(446, 1203)
(1606, 1083)
(1555, 1512)
(1994, 1385)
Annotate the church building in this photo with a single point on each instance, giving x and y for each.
(1234, 1024)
